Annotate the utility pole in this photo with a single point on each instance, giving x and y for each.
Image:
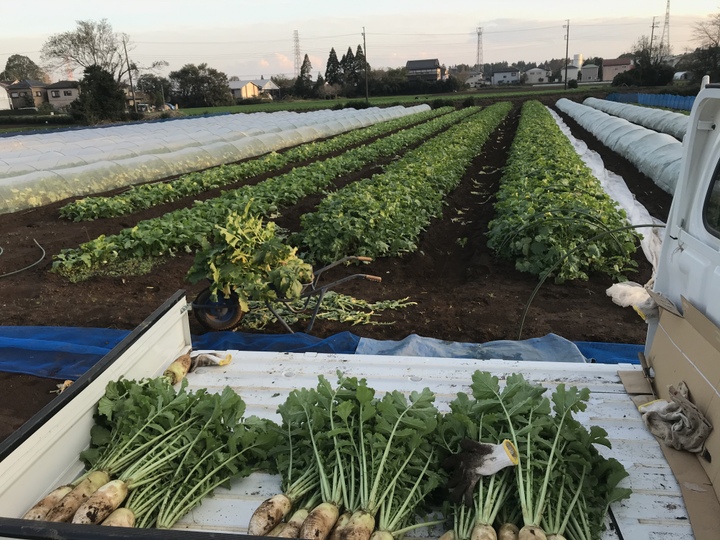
(367, 94)
(652, 37)
(479, 55)
(567, 48)
(132, 88)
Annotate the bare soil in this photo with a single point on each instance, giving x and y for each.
(463, 292)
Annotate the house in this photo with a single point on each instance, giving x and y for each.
(4, 97)
(571, 71)
(267, 86)
(537, 75)
(614, 67)
(476, 81)
(425, 70)
(506, 76)
(590, 72)
(27, 93)
(62, 93)
(244, 89)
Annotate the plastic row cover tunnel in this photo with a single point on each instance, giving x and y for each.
(669, 122)
(657, 155)
(39, 169)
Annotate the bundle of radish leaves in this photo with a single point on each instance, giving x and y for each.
(157, 451)
(561, 483)
(373, 460)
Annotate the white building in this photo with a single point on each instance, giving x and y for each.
(537, 75)
(4, 99)
(476, 81)
(506, 76)
(590, 72)
(572, 73)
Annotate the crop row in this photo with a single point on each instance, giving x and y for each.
(184, 229)
(551, 211)
(384, 215)
(149, 195)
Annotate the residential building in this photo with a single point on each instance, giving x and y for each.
(4, 97)
(571, 72)
(244, 89)
(62, 93)
(425, 70)
(267, 86)
(27, 94)
(537, 75)
(613, 67)
(506, 76)
(476, 81)
(590, 73)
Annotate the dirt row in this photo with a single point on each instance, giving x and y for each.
(462, 292)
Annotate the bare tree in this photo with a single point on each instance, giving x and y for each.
(90, 44)
(708, 32)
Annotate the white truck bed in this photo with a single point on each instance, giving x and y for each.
(48, 456)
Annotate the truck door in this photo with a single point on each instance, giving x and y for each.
(690, 258)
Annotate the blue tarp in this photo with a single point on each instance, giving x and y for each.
(68, 352)
(668, 101)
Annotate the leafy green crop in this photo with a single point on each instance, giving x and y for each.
(551, 210)
(384, 215)
(248, 258)
(145, 196)
(185, 229)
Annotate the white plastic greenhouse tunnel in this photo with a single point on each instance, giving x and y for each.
(39, 169)
(669, 122)
(657, 155)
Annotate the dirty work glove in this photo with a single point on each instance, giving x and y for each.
(475, 461)
(679, 424)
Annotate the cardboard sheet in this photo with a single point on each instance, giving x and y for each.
(687, 348)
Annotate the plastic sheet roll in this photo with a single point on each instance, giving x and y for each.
(37, 169)
(657, 155)
(668, 122)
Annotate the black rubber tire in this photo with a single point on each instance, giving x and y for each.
(225, 314)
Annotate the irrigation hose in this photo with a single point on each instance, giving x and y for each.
(559, 262)
(29, 266)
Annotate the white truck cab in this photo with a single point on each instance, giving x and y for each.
(690, 259)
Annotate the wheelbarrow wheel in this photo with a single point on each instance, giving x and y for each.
(223, 314)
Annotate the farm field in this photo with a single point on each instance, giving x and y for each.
(458, 289)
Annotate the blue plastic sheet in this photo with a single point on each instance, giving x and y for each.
(67, 352)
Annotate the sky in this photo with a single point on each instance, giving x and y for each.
(254, 39)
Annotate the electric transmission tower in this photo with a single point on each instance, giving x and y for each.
(479, 56)
(665, 37)
(298, 61)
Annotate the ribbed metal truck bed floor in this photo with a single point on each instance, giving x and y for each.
(263, 379)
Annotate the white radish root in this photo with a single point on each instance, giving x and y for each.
(293, 525)
(382, 535)
(531, 532)
(270, 512)
(508, 531)
(102, 503)
(68, 505)
(44, 505)
(340, 524)
(320, 522)
(448, 535)
(122, 517)
(360, 526)
(278, 529)
(483, 531)
(179, 368)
